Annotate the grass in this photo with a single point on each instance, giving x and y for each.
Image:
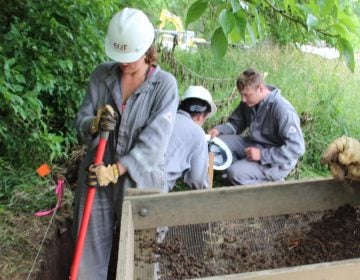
(22, 190)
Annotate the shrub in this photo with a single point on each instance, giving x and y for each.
(47, 49)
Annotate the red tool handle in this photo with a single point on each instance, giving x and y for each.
(87, 210)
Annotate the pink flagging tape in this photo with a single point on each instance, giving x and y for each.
(59, 191)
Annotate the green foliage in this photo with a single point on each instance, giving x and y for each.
(284, 21)
(47, 49)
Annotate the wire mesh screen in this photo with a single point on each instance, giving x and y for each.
(216, 248)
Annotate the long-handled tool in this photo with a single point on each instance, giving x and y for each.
(211, 178)
(87, 210)
(211, 169)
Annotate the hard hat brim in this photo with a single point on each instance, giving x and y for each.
(123, 57)
(191, 93)
(221, 145)
(213, 109)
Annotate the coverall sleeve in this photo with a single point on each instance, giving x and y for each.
(293, 145)
(87, 111)
(150, 147)
(197, 176)
(235, 124)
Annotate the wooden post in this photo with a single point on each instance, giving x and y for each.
(211, 169)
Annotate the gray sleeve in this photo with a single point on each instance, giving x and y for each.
(197, 176)
(153, 140)
(87, 111)
(235, 124)
(290, 132)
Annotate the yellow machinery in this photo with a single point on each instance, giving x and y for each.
(185, 39)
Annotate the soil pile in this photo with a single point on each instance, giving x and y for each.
(336, 236)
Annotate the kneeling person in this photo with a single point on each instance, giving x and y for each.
(187, 153)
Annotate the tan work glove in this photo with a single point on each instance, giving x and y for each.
(102, 175)
(354, 172)
(343, 157)
(105, 120)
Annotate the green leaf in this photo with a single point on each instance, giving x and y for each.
(227, 21)
(311, 21)
(347, 52)
(325, 6)
(349, 22)
(195, 11)
(219, 43)
(20, 78)
(241, 24)
(251, 33)
(341, 30)
(304, 8)
(289, 5)
(236, 6)
(18, 88)
(314, 7)
(234, 35)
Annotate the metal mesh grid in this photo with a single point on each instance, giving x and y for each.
(145, 266)
(204, 242)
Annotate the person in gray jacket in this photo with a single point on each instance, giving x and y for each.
(136, 102)
(274, 142)
(187, 154)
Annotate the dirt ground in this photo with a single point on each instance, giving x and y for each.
(29, 253)
(57, 257)
(335, 236)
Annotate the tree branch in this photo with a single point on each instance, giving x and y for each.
(297, 21)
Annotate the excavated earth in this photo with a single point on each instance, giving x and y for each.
(336, 236)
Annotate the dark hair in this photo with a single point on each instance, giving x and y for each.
(195, 106)
(249, 77)
(151, 55)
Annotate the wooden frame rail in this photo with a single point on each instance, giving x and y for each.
(226, 203)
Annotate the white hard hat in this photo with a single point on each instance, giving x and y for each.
(223, 156)
(129, 36)
(200, 93)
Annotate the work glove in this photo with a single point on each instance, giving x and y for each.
(101, 175)
(105, 120)
(343, 158)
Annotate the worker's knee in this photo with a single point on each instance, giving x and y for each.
(234, 176)
(245, 172)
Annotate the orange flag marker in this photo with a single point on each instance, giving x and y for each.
(43, 170)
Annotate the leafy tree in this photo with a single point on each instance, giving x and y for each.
(334, 21)
(47, 50)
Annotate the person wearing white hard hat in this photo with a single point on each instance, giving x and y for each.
(274, 142)
(187, 153)
(136, 101)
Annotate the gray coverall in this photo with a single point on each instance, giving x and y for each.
(187, 154)
(274, 127)
(139, 142)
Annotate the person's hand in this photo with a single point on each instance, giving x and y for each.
(102, 175)
(213, 132)
(343, 158)
(253, 154)
(105, 120)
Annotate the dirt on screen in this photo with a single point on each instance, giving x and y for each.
(335, 236)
